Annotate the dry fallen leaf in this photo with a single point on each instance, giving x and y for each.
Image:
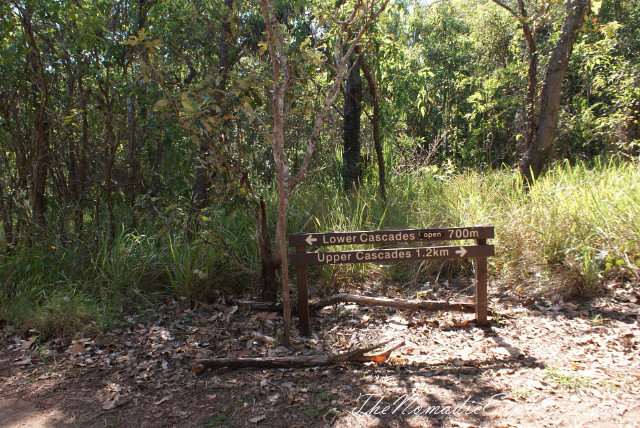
(25, 361)
(119, 400)
(462, 323)
(76, 348)
(536, 384)
(258, 419)
(27, 344)
(166, 398)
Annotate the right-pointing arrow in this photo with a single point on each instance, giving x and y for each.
(461, 252)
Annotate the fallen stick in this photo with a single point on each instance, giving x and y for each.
(414, 305)
(357, 355)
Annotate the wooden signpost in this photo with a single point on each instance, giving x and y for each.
(301, 258)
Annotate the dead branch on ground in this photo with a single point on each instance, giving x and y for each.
(355, 356)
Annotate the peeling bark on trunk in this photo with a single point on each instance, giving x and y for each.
(352, 168)
(268, 259)
(375, 120)
(538, 152)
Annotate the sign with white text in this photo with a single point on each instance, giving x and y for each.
(391, 255)
(301, 258)
(380, 237)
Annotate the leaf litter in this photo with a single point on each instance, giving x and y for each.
(542, 364)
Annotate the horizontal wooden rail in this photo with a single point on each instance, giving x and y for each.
(301, 258)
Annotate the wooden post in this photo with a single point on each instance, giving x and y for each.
(481, 288)
(303, 296)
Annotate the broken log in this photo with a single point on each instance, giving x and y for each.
(413, 305)
(263, 306)
(357, 355)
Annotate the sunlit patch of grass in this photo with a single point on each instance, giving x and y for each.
(319, 404)
(575, 226)
(566, 379)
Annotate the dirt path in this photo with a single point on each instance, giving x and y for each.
(540, 365)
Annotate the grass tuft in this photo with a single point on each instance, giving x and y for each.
(577, 227)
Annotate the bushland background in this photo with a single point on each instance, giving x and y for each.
(139, 145)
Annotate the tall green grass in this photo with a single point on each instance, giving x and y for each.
(576, 227)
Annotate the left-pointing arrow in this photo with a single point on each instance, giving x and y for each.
(310, 240)
(461, 252)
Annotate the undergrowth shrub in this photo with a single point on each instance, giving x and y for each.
(577, 227)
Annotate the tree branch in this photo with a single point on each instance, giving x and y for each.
(356, 356)
(510, 10)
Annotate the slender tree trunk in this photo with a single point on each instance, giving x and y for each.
(109, 154)
(352, 167)
(134, 178)
(538, 152)
(373, 90)
(532, 90)
(82, 163)
(42, 125)
(109, 160)
(200, 197)
(6, 211)
(132, 157)
(281, 80)
(269, 260)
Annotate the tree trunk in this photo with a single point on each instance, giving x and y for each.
(6, 211)
(109, 153)
(200, 197)
(109, 160)
(132, 157)
(80, 174)
(42, 125)
(532, 90)
(282, 79)
(373, 90)
(352, 171)
(538, 152)
(269, 261)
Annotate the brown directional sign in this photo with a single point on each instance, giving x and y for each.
(301, 258)
(390, 236)
(391, 255)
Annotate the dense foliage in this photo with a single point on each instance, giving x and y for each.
(136, 141)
